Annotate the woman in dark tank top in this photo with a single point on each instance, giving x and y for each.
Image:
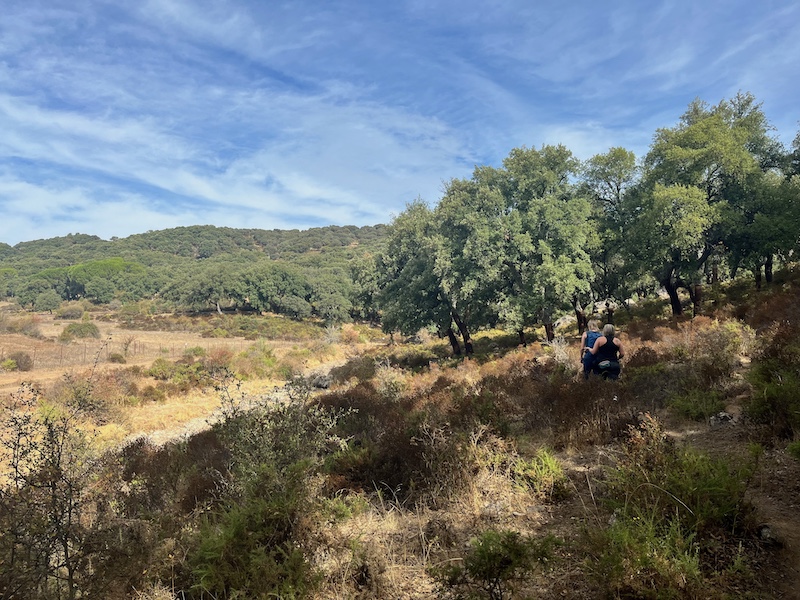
(607, 348)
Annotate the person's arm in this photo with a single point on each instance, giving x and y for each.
(599, 342)
(583, 342)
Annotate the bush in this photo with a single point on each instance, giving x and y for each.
(84, 329)
(496, 563)
(676, 511)
(22, 361)
(542, 474)
(71, 311)
(246, 550)
(698, 404)
(794, 450)
(257, 361)
(116, 357)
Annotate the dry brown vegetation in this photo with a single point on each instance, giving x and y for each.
(417, 475)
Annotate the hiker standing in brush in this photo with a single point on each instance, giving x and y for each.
(607, 352)
(589, 337)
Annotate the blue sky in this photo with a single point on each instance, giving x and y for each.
(122, 117)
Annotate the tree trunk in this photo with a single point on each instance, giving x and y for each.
(523, 342)
(768, 269)
(671, 287)
(757, 273)
(696, 294)
(550, 331)
(464, 330)
(609, 312)
(580, 315)
(454, 342)
(219, 310)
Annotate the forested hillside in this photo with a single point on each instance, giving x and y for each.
(195, 268)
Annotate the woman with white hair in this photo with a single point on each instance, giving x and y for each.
(607, 352)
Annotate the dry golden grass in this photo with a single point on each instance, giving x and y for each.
(176, 414)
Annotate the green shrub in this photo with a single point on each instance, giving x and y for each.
(794, 449)
(84, 329)
(194, 352)
(677, 512)
(70, 311)
(542, 474)
(775, 377)
(698, 404)
(639, 558)
(116, 357)
(162, 369)
(256, 361)
(8, 365)
(496, 563)
(21, 360)
(246, 550)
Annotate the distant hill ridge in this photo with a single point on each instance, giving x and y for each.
(197, 242)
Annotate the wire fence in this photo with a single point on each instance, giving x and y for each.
(53, 355)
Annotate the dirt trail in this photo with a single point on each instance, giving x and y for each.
(198, 424)
(774, 492)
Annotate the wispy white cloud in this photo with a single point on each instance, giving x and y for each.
(121, 118)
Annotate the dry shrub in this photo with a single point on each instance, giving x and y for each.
(22, 361)
(644, 356)
(349, 335)
(116, 386)
(780, 305)
(361, 368)
(217, 359)
(25, 325)
(71, 311)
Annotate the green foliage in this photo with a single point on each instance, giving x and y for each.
(84, 329)
(794, 450)
(22, 361)
(258, 360)
(250, 548)
(674, 509)
(542, 473)
(639, 558)
(698, 404)
(496, 563)
(247, 550)
(775, 376)
(71, 311)
(48, 300)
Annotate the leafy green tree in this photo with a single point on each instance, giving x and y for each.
(30, 290)
(609, 178)
(410, 291)
(670, 232)
(276, 287)
(701, 161)
(213, 286)
(364, 274)
(48, 300)
(464, 247)
(547, 237)
(99, 291)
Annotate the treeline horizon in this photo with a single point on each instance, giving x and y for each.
(513, 246)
